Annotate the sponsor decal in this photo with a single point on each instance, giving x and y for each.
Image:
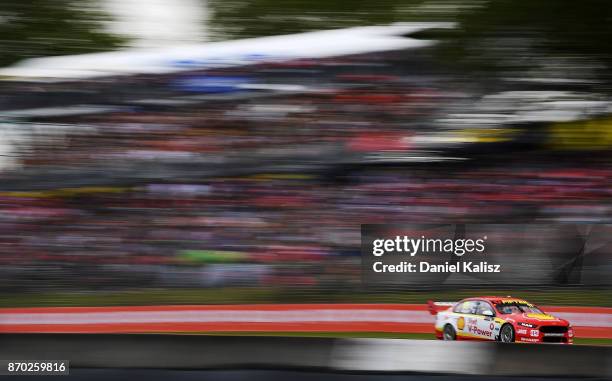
(534, 333)
(477, 331)
(529, 340)
(526, 325)
(491, 326)
(541, 316)
(521, 331)
(461, 323)
(516, 301)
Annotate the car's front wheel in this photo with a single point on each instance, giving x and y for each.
(506, 335)
(449, 333)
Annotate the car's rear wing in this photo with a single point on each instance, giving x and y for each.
(435, 307)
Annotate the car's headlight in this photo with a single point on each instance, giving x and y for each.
(527, 325)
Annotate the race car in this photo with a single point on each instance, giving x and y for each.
(496, 318)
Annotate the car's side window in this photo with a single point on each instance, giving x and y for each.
(484, 306)
(469, 307)
(458, 307)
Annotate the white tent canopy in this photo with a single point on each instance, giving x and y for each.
(320, 44)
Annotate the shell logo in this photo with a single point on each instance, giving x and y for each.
(460, 323)
(541, 316)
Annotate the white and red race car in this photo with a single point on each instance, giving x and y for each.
(504, 319)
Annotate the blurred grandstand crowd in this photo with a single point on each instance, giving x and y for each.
(262, 176)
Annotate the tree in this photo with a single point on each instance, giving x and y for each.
(528, 33)
(496, 35)
(36, 28)
(254, 18)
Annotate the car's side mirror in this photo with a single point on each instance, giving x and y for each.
(488, 313)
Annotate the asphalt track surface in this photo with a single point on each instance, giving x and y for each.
(262, 375)
(231, 358)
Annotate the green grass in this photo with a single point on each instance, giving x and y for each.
(137, 298)
(567, 297)
(589, 341)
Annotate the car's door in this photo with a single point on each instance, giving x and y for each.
(466, 321)
(485, 326)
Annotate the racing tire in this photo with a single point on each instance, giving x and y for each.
(449, 334)
(506, 334)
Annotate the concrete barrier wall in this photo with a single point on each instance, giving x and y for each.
(339, 355)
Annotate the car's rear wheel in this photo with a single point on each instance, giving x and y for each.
(449, 333)
(506, 334)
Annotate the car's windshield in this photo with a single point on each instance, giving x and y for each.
(513, 308)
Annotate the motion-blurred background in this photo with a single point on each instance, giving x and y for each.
(161, 174)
